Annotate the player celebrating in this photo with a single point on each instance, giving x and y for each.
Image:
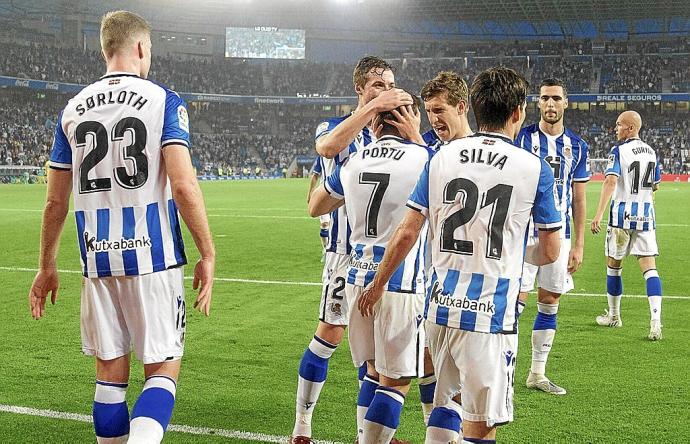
(122, 144)
(445, 101)
(477, 193)
(325, 219)
(374, 185)
(336, 139)
(566, 153)
(632, 177)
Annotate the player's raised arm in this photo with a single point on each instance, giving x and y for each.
(54, 215)
(190, 202)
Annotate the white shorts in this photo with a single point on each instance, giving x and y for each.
(553, 277)
(621, 242)
(325, 220)
(146, 313)
(393, 338)
(333, 308)
(478, 366)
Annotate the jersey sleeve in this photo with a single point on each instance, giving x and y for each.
(333, 185)
(175, 121)
(582, 172)
(614, 164)
(657, 172)
(419, 199)
(545, 215)
(316, 168)
(523, 141)
(61, 153)
(324, 128)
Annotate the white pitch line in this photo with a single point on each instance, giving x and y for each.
(318, 284)
(179, 428)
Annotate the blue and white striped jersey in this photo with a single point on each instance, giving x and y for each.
(567, 155)
(111, 136)
(632, 205)
(431, 139)
(478, 193)
(339, 231)
(375, 183)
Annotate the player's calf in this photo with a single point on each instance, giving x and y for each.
(383, 415)
(152, 411)
(444, 424)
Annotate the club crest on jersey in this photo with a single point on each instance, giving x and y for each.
(568, 151)
(183, 118)
(323, 126)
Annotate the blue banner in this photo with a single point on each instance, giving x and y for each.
(295, 100)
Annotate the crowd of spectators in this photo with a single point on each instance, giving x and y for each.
(624, 68)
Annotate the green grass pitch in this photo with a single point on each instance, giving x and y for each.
(240, 366)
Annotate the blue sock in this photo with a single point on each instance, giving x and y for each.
(366, 394)
(313, 369)
(383, 415)
(443, 426)
(614, 289)
(323, 232)
(543, 332)
(653, 293)
(427, 386)
(478, 441)
(110, 413)
(152, 411)
(361, 373)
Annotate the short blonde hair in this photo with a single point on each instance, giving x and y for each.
(119, 28)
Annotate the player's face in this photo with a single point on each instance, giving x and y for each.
(622, 130)
(552, 103)
(444, 118)
(378, 80)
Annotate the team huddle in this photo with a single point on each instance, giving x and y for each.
(432, 242)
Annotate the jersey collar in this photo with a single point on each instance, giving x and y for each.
(118, 74)
(494, 135)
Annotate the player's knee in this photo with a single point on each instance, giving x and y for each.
(330, 333)
(614, 263)
(548, 297)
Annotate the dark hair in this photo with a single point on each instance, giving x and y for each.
(388, 115)
(366, 64)
(554, 81)
(448, 82)
(495, 94)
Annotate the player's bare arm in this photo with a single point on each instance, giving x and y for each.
(312, 184)
(190, 202)
(401, 243)
(321, 202)
(329, 145)
(54, 215)
(579, 220)
(549, 247)
(606, 192)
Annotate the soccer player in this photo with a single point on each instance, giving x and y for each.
(567, 154)
(336, 140)
(374, 185)
(122, 146)
(632, 177)
(325, 219)
(478, 193)
(446, 104)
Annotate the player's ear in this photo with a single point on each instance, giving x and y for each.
(461, 107)
(140, 49)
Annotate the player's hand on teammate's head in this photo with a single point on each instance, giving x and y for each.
(46, 281)
(377, 125)
(203, 280)
(391, 99)
(407, 121)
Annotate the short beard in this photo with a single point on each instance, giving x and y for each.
(552, 121)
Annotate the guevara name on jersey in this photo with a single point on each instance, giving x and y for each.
(478, 194)
(637, 168)
(111, 136)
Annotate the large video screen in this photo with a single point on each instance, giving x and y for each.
(264, 42)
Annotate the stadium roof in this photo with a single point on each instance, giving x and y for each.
(305, 12)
